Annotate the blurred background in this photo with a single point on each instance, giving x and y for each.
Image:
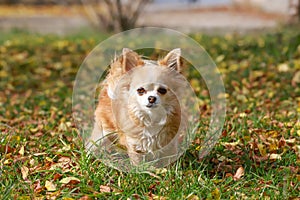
(208, 16)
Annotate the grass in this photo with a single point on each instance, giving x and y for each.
(260, 136)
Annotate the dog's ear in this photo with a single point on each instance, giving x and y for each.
(172, 59)
(130, 59)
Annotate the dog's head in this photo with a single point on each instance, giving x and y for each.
(151, 88)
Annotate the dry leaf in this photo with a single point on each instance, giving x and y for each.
(232, 144)
(24, 171)
(105, 188)
(239, 173)
(296, 79)
(262, 149)
(40, 154)
(283, 67)
(275, 156)
(192, 197)
(67, 180)
(37, 186)
(291, 141)
(56, 176)
(50, 186)
(243, 115)
(157, 197)
(216, 194)
(21, 152)
(85, 198)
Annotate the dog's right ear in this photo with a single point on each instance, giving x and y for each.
(130, 59)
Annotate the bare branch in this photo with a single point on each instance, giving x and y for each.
(115, 14)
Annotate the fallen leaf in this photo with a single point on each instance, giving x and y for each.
(22, 150)
(34, 130)
(262, 149)
(24, 171)
(216, 194)
(232, 144)
(243, 115)
(67, 180)
(50, 186)
(62, 127)
(85, 198)
(39, 154)
(283, 67)
(296, 79)
(275, 156)
(291, 141)
(105, 188)
(56, 176)
(239, 173)
(157, 197)
(37, 186)
(161, 171)
(192, 197)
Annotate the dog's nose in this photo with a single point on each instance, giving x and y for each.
(151, 99)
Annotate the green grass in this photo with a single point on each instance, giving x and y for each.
(263, 105)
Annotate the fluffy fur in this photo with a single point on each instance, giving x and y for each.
(139, 106)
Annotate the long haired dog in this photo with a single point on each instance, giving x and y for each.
(139, 107)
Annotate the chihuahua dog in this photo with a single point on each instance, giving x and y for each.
(139, 107)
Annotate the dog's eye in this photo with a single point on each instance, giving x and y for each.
(141, 91)
(162, 90)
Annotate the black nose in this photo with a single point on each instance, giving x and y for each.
(151, 99)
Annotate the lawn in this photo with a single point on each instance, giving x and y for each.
(257, 156)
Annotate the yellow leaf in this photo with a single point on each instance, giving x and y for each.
(220, 58)
(273, 146)
(69, 179)
(216, 194)
(24, 172)
(192, 197)
(3, 74)
(262, 149)
(242, 115)
(283, 67)
(21, 152)
(7, 162)
(233, 144)
(157, 197)
(15, 137)
(34, 130)
(50, 186)
(161, 171)
(62, 127)
(49, 159)
(275, 156)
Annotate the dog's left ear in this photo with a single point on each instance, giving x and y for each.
(172, 59)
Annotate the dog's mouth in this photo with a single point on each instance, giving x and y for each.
(151, 105)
